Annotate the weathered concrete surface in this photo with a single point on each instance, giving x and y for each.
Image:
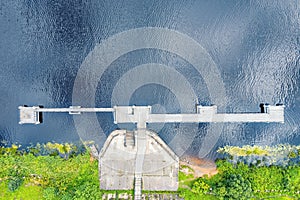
(139, 162)
(141, 115)
(28, 115)
(117, 163)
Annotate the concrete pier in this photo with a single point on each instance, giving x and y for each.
(30, 115)
(141, 115)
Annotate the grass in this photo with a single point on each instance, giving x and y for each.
(27, 176)
(24, 192)
(48, 177)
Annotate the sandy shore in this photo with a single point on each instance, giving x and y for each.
(201, 167)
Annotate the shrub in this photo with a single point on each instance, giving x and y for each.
(234, 186)
(200, 186)
(14, 183)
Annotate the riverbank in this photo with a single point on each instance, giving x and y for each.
(200, 167)
(67, 173)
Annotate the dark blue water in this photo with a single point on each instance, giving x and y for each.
(255, 46)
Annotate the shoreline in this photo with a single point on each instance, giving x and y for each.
(200, 167)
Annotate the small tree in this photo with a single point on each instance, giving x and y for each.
(200, 187)
(236, 187)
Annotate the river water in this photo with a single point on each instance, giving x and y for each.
(252, 49)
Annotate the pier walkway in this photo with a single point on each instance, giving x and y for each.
(141, 115)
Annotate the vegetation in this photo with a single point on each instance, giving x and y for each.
(239, 178)
(65, 171)
(241, 181)
(282, 154)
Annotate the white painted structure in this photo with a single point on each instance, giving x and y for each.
(141, 115)
(121, 167)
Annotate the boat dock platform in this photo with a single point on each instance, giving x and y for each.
(141, 115)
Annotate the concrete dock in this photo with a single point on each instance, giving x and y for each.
(141, 115)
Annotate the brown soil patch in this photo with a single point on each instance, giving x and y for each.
(200, 167)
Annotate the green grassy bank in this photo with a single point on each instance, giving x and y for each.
(64, 171)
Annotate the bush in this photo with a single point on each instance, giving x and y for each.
(234, 186)
(14, 183)
(50, 193)
(87, 191)
(200, 186)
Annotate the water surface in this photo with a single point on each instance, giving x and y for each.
(254, 44)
